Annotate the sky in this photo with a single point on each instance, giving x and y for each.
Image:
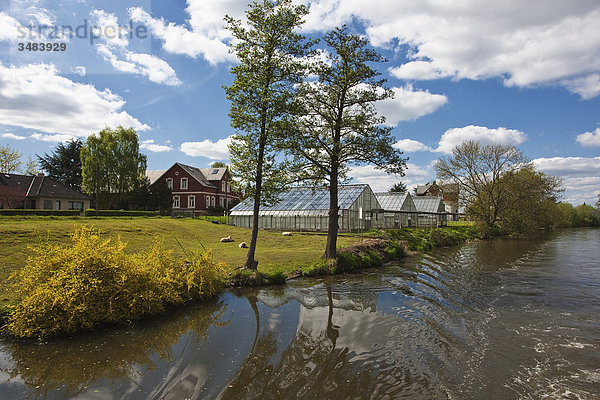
(524, 73)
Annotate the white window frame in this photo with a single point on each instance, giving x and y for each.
(191, 201)
(207, 201)
(170, 183)
(223, 186)
(181, 185)
(175, 201)
(212, 201)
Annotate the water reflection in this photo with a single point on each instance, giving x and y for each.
(70, 366)
(503, 319)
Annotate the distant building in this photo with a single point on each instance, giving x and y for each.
(399, 210)
(432, 211)
(39, 192)
(195, 190)
(307, 209)
(449, 193)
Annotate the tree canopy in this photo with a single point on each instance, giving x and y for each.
(10, 160)
(398, 187)
(336, 123)
(112, 165)
(269, 50)
(64, 164)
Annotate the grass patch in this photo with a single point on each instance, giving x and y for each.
(421, 239)
(274, 252)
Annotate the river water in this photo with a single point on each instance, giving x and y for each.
(502, 319)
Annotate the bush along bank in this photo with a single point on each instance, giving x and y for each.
(64, 289)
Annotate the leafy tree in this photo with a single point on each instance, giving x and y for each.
(112, 165)
(218, 164)
(478, 170)
(398, 187)
(10, 160)
(337, 123)
(64, 164)
(31, 167)
(532, 197)
(598, 202)
(268, 49)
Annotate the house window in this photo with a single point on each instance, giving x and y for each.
(57, 205)
(170, 183)
(223, 186)
(191, 201)
(207, 201)
(228, 187)
(76, 205)
(47, 204)
(183, 183)
(212, 201)
(175, 201)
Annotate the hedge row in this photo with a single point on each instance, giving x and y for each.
(64, 213)
(119, 213)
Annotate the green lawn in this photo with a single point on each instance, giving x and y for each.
(274, 251)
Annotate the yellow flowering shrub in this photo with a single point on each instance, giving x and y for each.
(93, 281)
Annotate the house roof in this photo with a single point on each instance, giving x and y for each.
(429, 204)
(213, 174)
(40, 186)
(396, 201)
(304, 201)
(154, 175)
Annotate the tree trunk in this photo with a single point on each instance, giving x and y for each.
(332, 229)
(250, 262)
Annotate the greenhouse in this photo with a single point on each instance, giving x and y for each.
(399, 211)
(432, 211)
(307, 209)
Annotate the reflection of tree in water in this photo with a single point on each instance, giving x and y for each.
(311, 367)
(76, 363)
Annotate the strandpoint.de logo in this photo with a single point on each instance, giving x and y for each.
(82, 31)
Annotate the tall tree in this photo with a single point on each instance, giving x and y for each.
(31, 167)
(10, 160)
(112, 165)
(478, 170)
(64, 164)
(337, 124)
(268, 49)
(398, 187)
(218, 164)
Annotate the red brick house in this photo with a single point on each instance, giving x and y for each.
(196, 189)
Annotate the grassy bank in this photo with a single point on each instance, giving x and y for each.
(279, 256)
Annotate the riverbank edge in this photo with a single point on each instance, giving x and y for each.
(374, 252)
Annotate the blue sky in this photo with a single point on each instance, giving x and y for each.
(522, 73)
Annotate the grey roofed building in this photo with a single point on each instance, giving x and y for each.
(432, 211)
(399, 210)
(308, 209)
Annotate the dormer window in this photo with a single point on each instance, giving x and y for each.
(184, 183)
(215, 171)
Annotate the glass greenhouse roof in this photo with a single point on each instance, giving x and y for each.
(393, 201)
(304, 201)
(428, 204)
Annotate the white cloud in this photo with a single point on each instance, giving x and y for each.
(410, 146)
(521, 42)
(213, 150)
(380, 181)
(453, 137)
(80, 70)
(409, 104)
(56, 138)
(58, 104)
(114, 50)
(581, 176)
(12, 136)
(8, 27)
(206, 35)
(589, 139)
(156, 148)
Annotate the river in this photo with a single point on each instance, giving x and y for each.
(502, 319)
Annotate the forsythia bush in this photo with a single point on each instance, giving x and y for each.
(93, 281)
